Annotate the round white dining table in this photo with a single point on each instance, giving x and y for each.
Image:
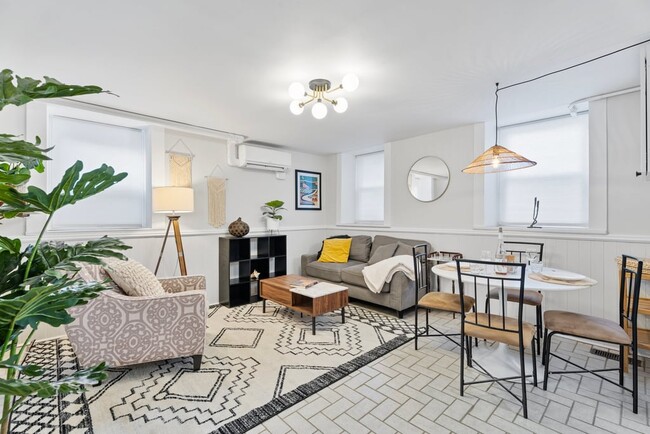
(500, 361)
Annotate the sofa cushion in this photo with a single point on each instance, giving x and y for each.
(328, 270)
(336, 251)
(133, 278)
(403, 249)
(360, 249)
(383, 252)
(354, 276)
(382, 240)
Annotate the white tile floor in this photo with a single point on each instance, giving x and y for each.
(410, 391)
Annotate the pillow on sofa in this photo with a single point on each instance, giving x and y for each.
(320, 252)
(96, 273)
(403, 249)
(360, 249)
(336, 250)
(133, 278)
(383, 252)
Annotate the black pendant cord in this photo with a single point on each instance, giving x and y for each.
(573, 66)
(496, 93)
(496, 115)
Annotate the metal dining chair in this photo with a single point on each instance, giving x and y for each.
(603, 330)
(531, 298)
(499, 328)
(432, 299)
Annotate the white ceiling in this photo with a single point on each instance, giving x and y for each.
(424, 65)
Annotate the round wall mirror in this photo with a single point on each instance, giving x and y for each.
(428, 179)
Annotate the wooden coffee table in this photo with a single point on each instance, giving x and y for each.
(317, 300)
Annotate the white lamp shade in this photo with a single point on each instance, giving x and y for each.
(341, 105)
(296, 90)
(350, 82)
(173, 200)
(319, 110)
(296, 108)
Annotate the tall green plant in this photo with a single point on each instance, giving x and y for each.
(38, 283)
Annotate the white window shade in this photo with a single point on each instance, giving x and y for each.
(369, 187)
(124, 205)
(560, 180)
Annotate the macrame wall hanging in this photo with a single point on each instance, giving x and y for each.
(217, 198)
(180, 165)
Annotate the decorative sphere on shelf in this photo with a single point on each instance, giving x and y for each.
(238, 228)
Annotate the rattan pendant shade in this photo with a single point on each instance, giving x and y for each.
(498, 159)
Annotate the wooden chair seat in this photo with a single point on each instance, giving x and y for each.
(586, 326)
(503, 336)
(531, 298)
(445, 301)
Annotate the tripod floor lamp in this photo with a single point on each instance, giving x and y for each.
(173, 201)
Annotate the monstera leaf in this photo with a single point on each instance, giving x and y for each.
(48, 304)
(74, 383)
(73, 187)
(30, 155)
(27, 89)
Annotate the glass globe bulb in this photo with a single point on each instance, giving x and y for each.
(350, 82)
(296, 90)
(296, 108)
(341, 105)
(319, 110)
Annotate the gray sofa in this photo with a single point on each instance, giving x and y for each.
(398, 294)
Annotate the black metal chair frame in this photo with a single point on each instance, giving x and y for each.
(488, 281)
(422, 281)
(538, 309)
(628, 312)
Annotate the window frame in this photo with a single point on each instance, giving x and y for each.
(356, 188)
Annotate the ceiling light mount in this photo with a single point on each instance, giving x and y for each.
(320, 89)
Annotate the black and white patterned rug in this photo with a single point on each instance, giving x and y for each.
(255, 366)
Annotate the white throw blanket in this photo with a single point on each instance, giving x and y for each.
(382, 272)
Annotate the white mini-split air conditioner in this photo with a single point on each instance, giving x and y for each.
(258, 157)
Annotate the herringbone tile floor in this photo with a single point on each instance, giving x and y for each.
(410, 391)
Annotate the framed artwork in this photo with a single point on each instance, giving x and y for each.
(308, 190)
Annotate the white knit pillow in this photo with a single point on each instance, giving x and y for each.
(133, 278)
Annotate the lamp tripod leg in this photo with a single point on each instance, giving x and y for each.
(179, 245)
(162, 250)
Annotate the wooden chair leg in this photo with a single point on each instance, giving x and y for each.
(196, 361)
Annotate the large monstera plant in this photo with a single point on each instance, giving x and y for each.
(39, 283)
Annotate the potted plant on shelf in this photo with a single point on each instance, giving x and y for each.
(39, 283)
(273, 217)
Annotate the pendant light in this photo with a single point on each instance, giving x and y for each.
(497, 158)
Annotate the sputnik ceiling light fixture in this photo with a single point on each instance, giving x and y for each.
(320, 88)
(499, 159)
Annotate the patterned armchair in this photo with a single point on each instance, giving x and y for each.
(122, 330)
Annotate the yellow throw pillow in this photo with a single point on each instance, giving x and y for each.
(336, 250)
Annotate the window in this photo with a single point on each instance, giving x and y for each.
(124, 205)
(369, 187)
(560, 180)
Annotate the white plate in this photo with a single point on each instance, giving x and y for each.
(553, 273)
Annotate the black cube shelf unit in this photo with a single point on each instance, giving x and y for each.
(239, 257)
